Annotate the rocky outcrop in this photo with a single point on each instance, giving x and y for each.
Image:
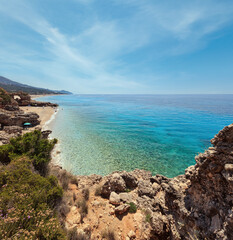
(42, 104)
(7, 102)
(196, 205)
(24, 99)
(18, 118)
(12, 117)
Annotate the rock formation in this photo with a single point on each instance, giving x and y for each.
(7, 102)
(24, 99)
(12, 117)
(196, 205)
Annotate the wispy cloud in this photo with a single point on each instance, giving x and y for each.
(92, 60)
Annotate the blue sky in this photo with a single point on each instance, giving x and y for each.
(119, 46)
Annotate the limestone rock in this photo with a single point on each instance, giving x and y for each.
(156, 187)
(145, 188)
(160, 225)
(131, 234)
(113, 183)
(122, 209)
(130, 180)
(114, 198)
(125, 197)
(12, 129)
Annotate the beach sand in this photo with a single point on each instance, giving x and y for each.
(45, 114)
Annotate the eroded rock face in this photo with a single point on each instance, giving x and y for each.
(196, 205)
(211, 188)
(18, 118)
(113, 183)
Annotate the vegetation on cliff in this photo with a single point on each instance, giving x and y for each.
(32, 145)
(27, 196)
(5, 98)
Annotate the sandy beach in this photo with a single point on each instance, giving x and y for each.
(44, 95)
(45, 113)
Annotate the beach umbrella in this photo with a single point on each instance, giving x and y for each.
(27, 124)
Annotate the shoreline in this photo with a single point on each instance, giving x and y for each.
(46, 114)
(44, 95)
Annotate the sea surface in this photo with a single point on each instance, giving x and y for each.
(161, 133)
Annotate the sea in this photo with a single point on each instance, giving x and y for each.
(99, 134)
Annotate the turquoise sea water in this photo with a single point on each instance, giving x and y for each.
(161, 133)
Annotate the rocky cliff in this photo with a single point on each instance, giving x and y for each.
(12, 117)
(137, 205)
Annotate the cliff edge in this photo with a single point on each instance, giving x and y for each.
(137, 205)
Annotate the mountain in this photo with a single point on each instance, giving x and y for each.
(12, 86)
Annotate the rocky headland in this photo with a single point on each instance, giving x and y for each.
(137, 205)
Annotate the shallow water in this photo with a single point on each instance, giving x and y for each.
(161, 133)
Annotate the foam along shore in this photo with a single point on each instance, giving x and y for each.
(46, 114)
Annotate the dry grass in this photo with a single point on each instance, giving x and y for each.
(73, 234)
(86, 194)
(98, 191)
(64, 180)
(74, 180)
(108, 234)
(83, 209)
(63, 210)
(74, 197)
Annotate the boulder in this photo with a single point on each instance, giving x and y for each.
(122, 209)
(114, 198)
(113, 183)
(130, 180)
(18, 118)
(160, 225)
(12, 129)
(125, 197)
(45, 134)
(145, 188)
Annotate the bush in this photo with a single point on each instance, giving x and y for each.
(26, 203)
(32, 145)
(148, 218)
(74, 180)
(132, 207)
(4, 153)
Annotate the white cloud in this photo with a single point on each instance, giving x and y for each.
(90, 60)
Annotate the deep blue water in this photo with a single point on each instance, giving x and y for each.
(161, 133)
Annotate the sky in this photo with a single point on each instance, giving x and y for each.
(119, 46)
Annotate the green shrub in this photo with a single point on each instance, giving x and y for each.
(32, 145)
(148, 218)
(132, 207)
(26, 203)
(4, 153)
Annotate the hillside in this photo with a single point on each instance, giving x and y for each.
(12, 86)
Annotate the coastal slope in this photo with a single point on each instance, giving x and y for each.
(137, 205)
